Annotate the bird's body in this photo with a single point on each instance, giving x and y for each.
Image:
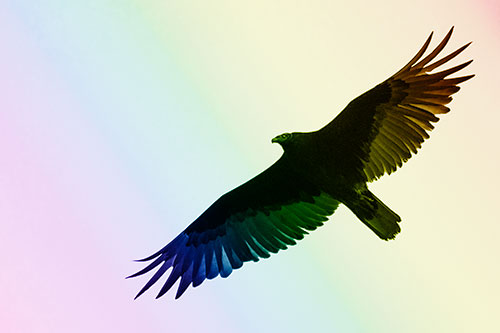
(319, 170)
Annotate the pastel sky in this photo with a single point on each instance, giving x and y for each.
(121, 121)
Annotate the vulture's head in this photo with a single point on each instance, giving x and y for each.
(283, 139)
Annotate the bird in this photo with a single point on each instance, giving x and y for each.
(373, 135)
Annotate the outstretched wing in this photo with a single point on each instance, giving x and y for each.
(382, 128)
(266, 214)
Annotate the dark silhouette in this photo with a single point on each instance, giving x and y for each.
(373, 135)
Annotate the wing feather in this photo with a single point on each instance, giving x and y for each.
(211, 267)
(200, 274)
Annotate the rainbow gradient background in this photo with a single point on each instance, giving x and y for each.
(121, 121)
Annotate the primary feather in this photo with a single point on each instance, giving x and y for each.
(375, 134)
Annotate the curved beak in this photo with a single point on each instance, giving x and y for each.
(274, 140)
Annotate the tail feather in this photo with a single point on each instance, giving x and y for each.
(376, 215)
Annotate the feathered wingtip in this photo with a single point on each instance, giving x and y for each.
(166, 257)
(418, 68)
(191, 264)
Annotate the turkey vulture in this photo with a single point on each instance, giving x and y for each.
(373, 135)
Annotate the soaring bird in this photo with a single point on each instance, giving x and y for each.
(372, 136)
